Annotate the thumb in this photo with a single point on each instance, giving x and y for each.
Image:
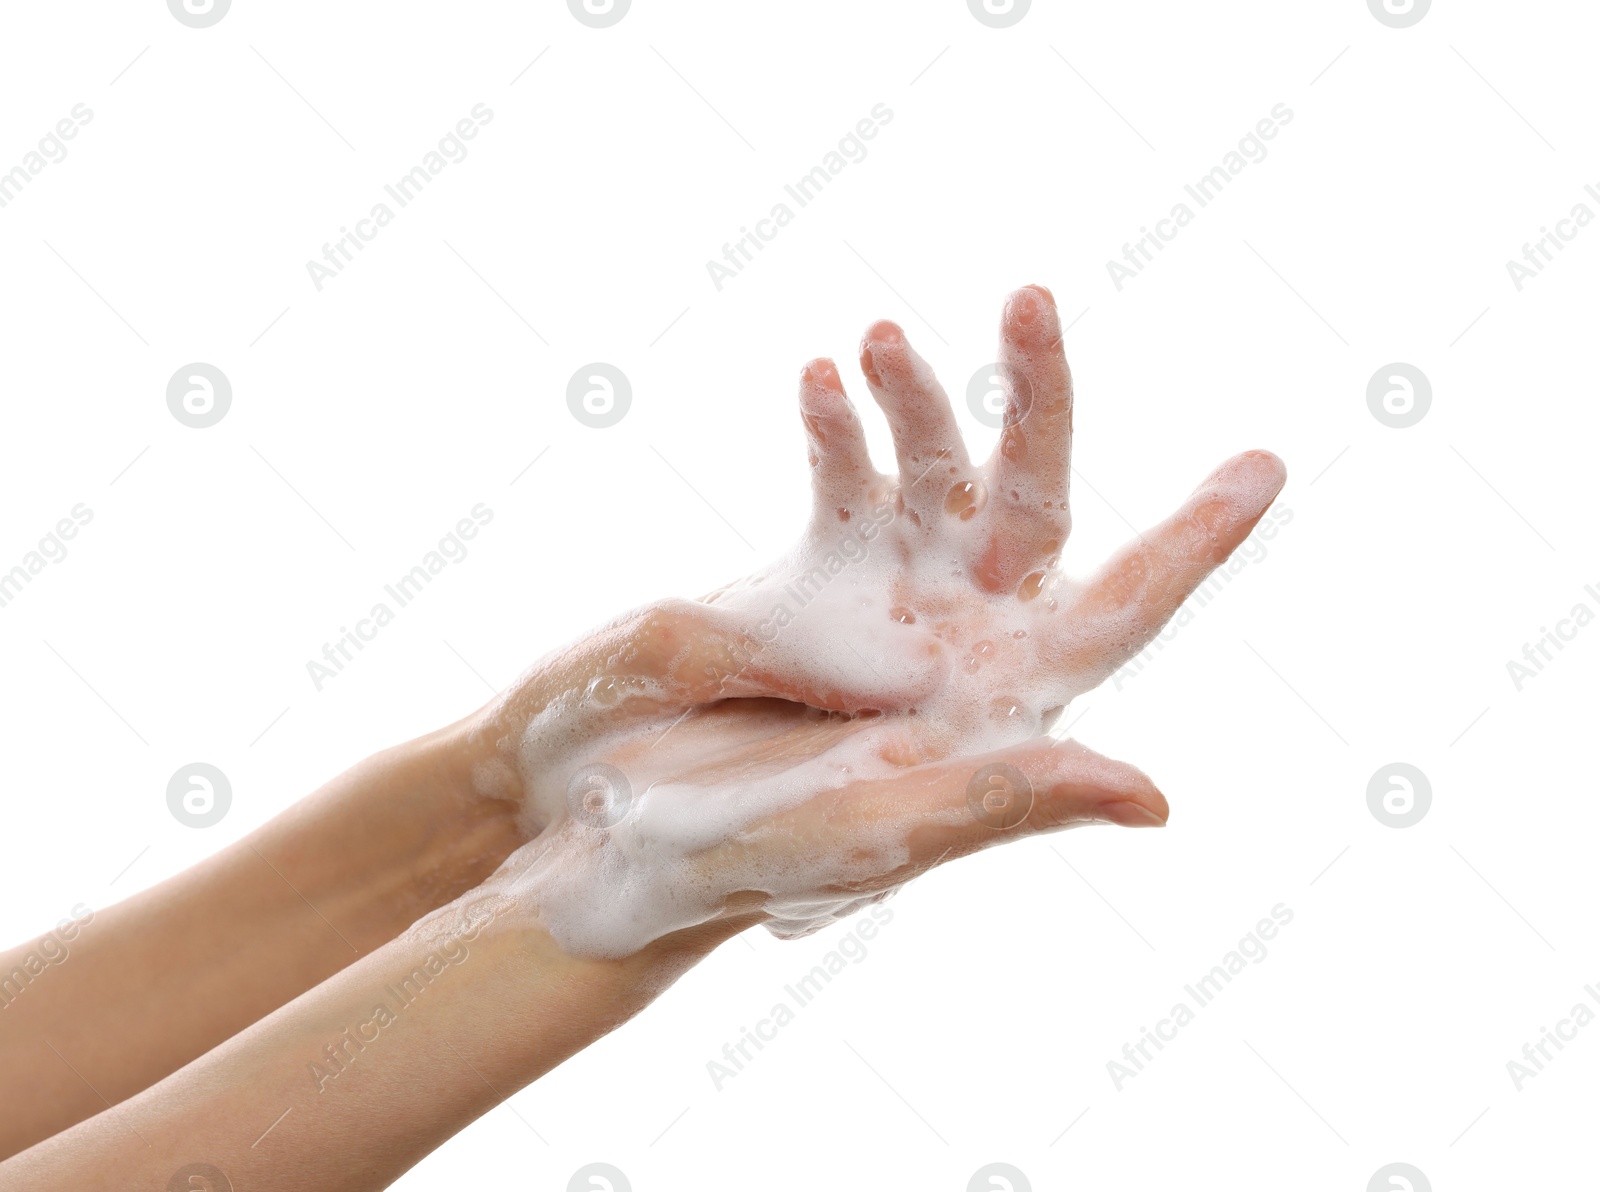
(957, 806)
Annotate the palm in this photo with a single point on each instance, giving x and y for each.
(813, 733)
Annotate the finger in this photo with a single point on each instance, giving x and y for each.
(841, 470)
(768, 655)
(950, 808)
(672, 652)
(1141, 588)
(682, 653)
(663, 654)
(873, 835)
(1028, 471)
(927, 442)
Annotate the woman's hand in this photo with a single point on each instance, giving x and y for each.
(781, 751)
(874, 703)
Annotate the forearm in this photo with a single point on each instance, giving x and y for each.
(353, 1082)
(168, 974)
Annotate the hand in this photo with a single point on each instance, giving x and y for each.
(780, 751)
(876, 702)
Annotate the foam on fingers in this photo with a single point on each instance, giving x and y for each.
(809, 737)
(1030, 467)
(927, 441)
(841, 469)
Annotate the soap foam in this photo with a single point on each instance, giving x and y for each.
(655, 804)
(889, 631)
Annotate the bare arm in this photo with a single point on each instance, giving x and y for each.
(153, 982)
(352, 1083)
(784, 751)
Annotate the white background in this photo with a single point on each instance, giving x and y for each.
(429, 373)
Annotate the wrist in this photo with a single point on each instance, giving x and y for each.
(465, 809)
(394, 837)
(522, 1003)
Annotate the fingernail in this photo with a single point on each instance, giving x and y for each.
(821, 371)
(884, 332)
(1130, 815)
(1031, 315)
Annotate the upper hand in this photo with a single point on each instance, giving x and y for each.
(872, 704)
